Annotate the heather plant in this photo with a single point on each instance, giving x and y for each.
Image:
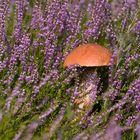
(40, 99)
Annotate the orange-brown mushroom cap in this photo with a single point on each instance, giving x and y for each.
(88, 55)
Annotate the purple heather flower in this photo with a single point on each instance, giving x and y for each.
(20, 132)
(18, 27)
(113, 134)
(37, 18)
(12, 1)
(97, 20)
(72, 20)
(57, 61)
(20, 101)
(131, 120)
(133, 4)
(89, 9)
(45, 114)
(136, 28)
(61, 17)
(56, 123)
(137, 130)
(1, 116)
(79, 136)
(3, 12)
(31, 128)
(16, 91)
(118, 117)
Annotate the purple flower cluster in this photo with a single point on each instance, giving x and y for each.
(97, 20)
(18, 28)
(41, 98)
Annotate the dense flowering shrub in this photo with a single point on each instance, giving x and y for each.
(39, 99)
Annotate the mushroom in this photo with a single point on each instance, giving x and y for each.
(91, 56)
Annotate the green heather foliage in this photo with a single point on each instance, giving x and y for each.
(42, 100)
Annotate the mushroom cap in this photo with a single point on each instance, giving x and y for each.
(88, 55)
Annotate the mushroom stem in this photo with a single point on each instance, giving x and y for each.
(103, 73)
